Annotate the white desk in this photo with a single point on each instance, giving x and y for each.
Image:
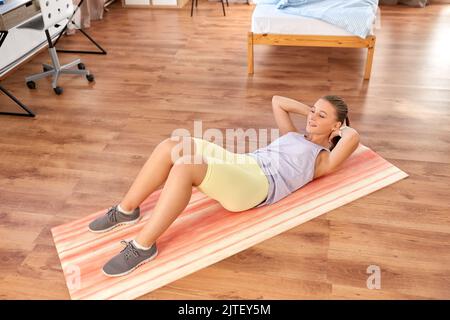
(20, 44)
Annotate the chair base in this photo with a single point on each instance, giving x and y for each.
(55, 69)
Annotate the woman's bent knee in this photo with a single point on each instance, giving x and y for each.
(178, 147)
(193, 166)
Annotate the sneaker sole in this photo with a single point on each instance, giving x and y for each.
(134, 268)
(126, 223)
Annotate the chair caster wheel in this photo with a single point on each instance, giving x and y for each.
(31, 85)
(81, 66)
(90, 77)
(58, 90)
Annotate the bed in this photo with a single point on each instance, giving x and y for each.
(271, 26)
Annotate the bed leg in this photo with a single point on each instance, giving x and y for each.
(369, 60)
(250, 53)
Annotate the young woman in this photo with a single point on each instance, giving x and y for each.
(237, 181)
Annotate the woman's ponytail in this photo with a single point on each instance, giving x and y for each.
(347, 122)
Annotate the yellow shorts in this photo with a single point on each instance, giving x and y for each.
(235, 180)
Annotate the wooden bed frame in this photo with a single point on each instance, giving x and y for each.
(312, 41)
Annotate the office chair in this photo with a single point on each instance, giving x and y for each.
(55, 12)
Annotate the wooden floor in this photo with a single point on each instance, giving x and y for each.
(164, 70)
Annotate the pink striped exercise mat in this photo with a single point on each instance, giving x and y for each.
(206, 233)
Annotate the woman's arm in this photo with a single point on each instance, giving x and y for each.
(344, 148)
(281, 107)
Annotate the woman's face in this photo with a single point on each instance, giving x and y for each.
(322, 118)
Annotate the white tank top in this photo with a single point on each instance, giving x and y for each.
(288, 163)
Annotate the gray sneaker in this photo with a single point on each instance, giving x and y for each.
(114, 218)
(128, 259)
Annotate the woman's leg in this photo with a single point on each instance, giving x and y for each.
(154, 172)
(174, 198)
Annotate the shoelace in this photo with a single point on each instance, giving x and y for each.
(129, 250)
(112, 214)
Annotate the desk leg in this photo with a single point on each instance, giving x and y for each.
(20, 104)
(102, 51)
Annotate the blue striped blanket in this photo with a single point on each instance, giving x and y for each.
(354, 16)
